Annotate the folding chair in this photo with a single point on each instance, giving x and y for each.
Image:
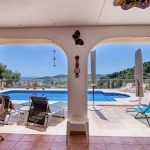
(143, 111)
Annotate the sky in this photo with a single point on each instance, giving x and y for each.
(37, 60)
(117, 56)
(34, 60)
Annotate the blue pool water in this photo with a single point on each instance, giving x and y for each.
(61, 95)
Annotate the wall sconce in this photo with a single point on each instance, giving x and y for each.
(76, 37)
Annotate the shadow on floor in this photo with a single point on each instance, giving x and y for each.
(100, 115)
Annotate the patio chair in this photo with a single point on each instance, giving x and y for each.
(39, 111)
(143, 111)
(8, 107)
(126, 87)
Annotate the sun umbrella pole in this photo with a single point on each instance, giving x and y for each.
(93, 79)
(138, 75)
(93, 93)
(140, 98)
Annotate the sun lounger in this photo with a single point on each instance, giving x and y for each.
(133, 89)
(144, 111)
(126, 87)
(58, 109)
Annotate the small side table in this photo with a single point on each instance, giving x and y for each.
(25, 110)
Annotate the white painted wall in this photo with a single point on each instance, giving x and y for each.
(63, 37)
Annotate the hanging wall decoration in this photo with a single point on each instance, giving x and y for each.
(54, 58)
(127, 4)
(77, 39)
(77, 70)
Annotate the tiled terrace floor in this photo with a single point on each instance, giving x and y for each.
(51, 142)
(110, 121)
(111, 128)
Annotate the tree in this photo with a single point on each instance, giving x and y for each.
(129, 73)
(2, 70)
(8, 75)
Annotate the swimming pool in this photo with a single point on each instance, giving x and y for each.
(61, 95)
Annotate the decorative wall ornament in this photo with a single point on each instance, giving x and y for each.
(77, 70)
(54, 58)
(76, 37)
(127, 4)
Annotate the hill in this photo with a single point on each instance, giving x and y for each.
(64, 77)
(129, 73)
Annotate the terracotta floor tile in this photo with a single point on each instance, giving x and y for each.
(80, 139)
(59, 146)
(76, 142)
(5, 134)
(97, 147)
(129, 140)
(60, 138)
(96, 139)
(116, 147)
(14, 137)
(7, 145)
(143, 140)
(111, 140)
(146, 147)
(46, 138)
(41, 146)
(24, 146)
(78, 147)
(30, 137)
(134, 147)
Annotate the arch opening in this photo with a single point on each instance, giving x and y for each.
(115, 63)
(34, 64)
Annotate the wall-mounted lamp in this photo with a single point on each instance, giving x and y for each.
(76, 37)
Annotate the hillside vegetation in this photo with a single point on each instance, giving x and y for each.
(129, 73)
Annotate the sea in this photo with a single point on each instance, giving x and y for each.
(30, 78)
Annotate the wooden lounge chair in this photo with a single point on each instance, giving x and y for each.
(39, 111)
(144, 111)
